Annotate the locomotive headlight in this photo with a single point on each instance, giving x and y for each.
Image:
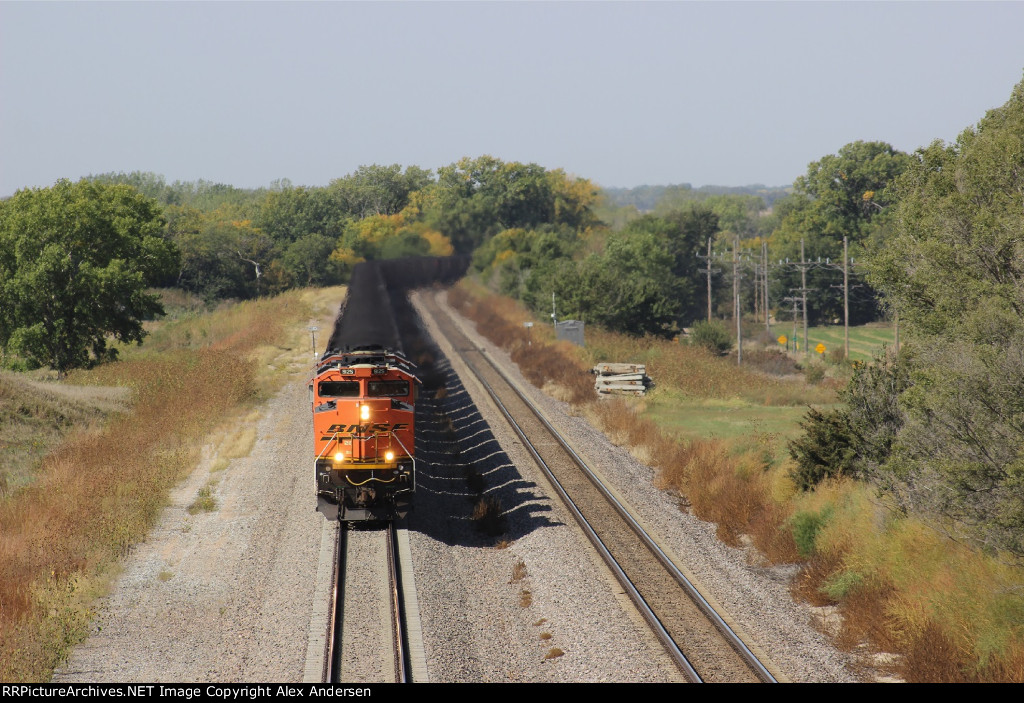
(389, 456)
(364, 412)
(339, 457)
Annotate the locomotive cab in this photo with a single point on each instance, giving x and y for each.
(363, 423)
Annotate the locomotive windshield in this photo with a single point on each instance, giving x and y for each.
(338, 389)
(387, 389)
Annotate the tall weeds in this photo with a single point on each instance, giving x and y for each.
(97, 495)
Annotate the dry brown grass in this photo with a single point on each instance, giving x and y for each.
(700, 374)
(867, 619)
(932, 656)
(945, 613)
(733, 491)
(807, 586)
(36, 416)
(97, 495)
(540, 359)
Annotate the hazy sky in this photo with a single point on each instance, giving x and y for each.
(727, 93)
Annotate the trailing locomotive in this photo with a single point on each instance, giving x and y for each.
(363, 394)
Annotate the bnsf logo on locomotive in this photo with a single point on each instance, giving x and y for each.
(362, 429)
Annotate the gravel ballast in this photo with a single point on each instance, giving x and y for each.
(227, 595)
(755, 597)
(224, 595)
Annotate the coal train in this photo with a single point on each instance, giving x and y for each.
(363, 392)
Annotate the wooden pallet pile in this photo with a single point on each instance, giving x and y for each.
(621, 379)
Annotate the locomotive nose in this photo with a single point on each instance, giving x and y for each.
(373, 409)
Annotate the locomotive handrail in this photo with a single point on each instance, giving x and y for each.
(321, 454)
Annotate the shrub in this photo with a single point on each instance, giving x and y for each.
(837, 356)
(713, 336)
(814, 373)
(770, 361)
(842, 583)
(805, 526)
(826, 449)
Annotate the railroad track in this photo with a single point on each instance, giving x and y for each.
(369, 629)
(696, 637)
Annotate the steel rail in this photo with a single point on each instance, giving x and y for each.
(639, 602)
(734, 641)
(332, 658)
(402, 667)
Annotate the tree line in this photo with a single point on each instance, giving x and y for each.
(642, 268)
(77, 259)
(939, 426)
(533, 231)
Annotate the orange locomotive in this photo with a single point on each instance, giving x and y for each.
(363, 425)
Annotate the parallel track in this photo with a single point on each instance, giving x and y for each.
(695, 636)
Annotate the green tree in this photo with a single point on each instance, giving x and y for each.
(713, 335)
(308, 261)
(378, 190)
(474, 199)
(75, 263)
(856, 438)
(289, 214)
(627, 288)
(953, 273)
(827, 449)
(682, 234)
(841, 195)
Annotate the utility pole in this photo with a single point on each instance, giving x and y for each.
(846, 300)
(736, 299)
(739, 335)
(846, 294)
(757, 291)
(764, 298)
(736, 277)
(803, 266)
(793, 299)
(708, 272)
(803, 289)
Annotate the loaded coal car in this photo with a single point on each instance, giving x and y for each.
(363, 392)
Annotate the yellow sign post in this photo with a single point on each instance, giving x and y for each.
(820, 348)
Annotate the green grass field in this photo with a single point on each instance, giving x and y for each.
(733, 419)
(865, 340)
